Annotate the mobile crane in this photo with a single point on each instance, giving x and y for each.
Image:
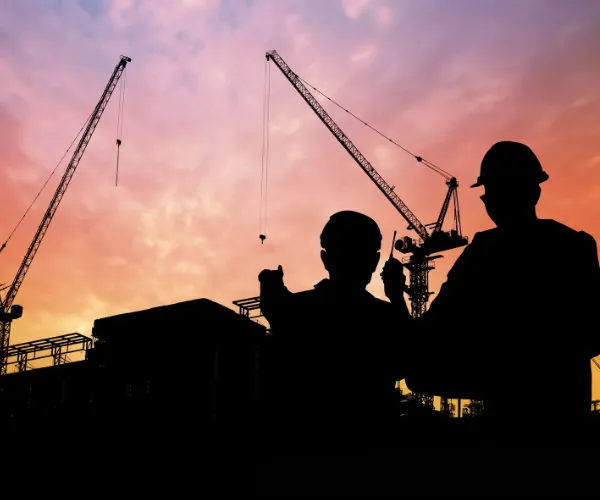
(8, 311)
(421, 250)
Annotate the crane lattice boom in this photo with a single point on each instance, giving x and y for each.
(421, 260)
(387, 190)
(5, 313)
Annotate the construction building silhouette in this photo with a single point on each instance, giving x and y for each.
(191, 369)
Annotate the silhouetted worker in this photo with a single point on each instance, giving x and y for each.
(515, 324)
(338, 347)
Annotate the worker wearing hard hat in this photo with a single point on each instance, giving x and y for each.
(514, 324)
(338, 345)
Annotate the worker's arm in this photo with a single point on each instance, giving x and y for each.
(443, 363)
(394, 283)
(590, 292)
(426, 369)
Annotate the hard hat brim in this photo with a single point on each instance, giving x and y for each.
(543, 177)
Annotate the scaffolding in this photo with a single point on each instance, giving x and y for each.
(57, 348)
(249, 307)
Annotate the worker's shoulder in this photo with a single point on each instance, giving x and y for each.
(381, 309)
(482, 237)
(552, 226)
(305, 295)
(318, 295)
(560, 230)
(557, 227)
(379, 303)
(486, 235)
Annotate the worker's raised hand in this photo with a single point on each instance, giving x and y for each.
(272, 292)
(394, 280)
(271, 280)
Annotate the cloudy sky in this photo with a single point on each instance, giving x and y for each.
(445, 79)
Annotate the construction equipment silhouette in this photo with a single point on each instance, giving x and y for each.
(8, 311)
(419, 263)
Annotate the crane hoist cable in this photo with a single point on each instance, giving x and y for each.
(264, 175)
(45, 183)
(450, 179)
(425, 162)
(120, 115)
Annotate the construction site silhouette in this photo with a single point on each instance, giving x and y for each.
(320, 385)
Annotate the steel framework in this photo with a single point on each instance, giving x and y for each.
(249, 307)
(56, 347)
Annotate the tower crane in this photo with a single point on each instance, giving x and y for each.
(8, 311)
(427, 243)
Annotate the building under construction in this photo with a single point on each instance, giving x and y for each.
(188, 367)
(193, 367)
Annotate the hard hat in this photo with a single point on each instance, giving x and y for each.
(510, 162)
(348, 229)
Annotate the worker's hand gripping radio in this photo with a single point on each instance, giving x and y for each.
(394, 280)
(392, 275)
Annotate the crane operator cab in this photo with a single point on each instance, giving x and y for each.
(15, 313)
(405, 245)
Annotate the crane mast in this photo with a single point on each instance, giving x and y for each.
(8, 312)
(420, 262)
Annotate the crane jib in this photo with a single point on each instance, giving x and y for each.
(383, 186)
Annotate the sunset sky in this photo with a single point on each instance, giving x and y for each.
(445, 79)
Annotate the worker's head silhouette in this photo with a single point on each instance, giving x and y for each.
(351, 242)
(511, 175)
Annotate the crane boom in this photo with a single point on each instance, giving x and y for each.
(5, 318)
(384, 187)
(421, 260)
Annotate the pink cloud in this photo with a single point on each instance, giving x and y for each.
(384, 15)
(354, 8)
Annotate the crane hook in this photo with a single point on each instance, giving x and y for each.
(117, 174)
(262, 238)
